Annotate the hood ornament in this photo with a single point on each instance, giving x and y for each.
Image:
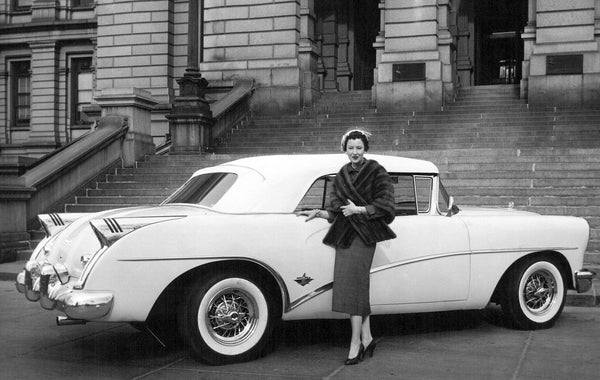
(303, 280)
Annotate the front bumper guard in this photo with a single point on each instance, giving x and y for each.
(43, 285)
(583, 280)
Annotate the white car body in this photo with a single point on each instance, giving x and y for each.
(113, 266)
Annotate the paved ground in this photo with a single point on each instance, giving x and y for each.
(458, 345)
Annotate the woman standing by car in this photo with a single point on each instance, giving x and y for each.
(362, 206)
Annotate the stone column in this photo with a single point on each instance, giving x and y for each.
(44, 97)
(308, 53)
(446, 47)
(136, 105)
(344, 72)
(464, 59)
(191, 121)
(330, 49)
(379, 46)
(321, 69)
(528, 37)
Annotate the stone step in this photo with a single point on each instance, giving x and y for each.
(447, 115)
(528, 192)
(583, 175)
(158, 192)
(120, 200)
(521, 182)
(491, 199)
(187, 169)
(141, 177)
(97, 207)
(136, 185)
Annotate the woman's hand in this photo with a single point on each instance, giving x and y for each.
(310, 214)
(351, 209)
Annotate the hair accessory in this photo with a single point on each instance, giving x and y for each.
(361, 131)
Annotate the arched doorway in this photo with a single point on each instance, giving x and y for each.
(345, 32)
(490, 48)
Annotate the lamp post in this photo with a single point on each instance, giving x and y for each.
(190, 120)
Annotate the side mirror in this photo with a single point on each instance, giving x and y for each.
(452, 208)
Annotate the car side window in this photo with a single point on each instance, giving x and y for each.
(317, 195)
(412, 194)
(404, 194)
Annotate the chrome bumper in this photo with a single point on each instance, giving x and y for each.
(583, 280)
(42, 283)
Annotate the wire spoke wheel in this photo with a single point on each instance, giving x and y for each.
(539, 292)
(534, 294)
(228, 318)
(232, 316)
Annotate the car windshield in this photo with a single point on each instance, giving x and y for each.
(205, 189)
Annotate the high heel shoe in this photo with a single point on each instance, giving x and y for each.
(357, 358)
(370, 348)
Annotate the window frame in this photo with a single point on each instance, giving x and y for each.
(16, 7)
(430, 192)
(302, 205)
(328, 180)
(17, 72)
(82, 4)
(76, 63)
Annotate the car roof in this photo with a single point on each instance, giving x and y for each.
(277, 183)
(308, 163)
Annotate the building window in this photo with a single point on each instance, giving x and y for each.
(21, 93)
(83, 3)
(22, 5)
(81, 89)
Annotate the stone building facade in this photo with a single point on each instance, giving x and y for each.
(57, 57)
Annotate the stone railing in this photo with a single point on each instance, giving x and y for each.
(121, 138)
(231, 110)
(54, 178)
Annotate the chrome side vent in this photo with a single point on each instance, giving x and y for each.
(54, 223)
(109, 230)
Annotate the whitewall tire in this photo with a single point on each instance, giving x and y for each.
(227, 318)
(535, 294)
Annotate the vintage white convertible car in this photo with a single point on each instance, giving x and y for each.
(226, 257)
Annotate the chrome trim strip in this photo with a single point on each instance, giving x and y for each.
(462, 253)
(528, 249)
(309, 296)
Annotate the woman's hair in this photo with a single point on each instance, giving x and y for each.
(354, 134)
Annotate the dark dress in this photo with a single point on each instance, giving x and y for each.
(355, 237)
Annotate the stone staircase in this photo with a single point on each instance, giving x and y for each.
(491, 148)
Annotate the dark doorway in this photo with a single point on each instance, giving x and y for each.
(498, 43)
(346, 31)
(366, 28)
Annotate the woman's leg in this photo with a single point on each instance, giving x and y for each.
(356, 321)
(365, 333)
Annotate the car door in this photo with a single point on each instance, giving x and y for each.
(429, 261)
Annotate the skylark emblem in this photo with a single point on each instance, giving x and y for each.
(303, 280)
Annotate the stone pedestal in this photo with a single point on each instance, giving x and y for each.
(136, 105)
(190, 121)
(14, 196)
